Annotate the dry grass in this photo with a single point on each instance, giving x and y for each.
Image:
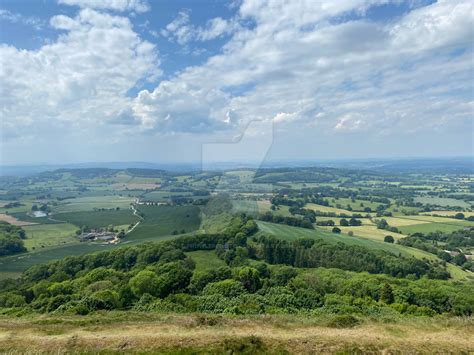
(12, 220)
(148, 333)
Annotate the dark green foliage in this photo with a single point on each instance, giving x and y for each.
(437, 242)
(290, 221)
(343, 256)
(386, 294)
(11, 239)
(388, 239)
(161, 278)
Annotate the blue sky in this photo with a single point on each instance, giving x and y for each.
(142, 80)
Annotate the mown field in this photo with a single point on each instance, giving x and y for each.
(120, 332)
(160, 221)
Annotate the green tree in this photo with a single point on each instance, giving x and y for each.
(344, 222)
(145, 282)
(250, 279)
(386, 294)
(388, 239)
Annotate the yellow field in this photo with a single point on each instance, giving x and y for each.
(401, 221)
(315, 207)
(168, 333)
(365, 221)
(368, 231)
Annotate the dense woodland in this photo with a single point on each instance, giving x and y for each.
(263, 275)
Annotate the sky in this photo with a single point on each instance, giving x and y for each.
(214, 80)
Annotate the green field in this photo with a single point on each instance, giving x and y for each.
(442, 201)
(98, 219)
(13, 266)
(47, 235)
(163, 220)
(357, 205)
(253, 208)
(206, 260)
(429, 228)
(291, 233)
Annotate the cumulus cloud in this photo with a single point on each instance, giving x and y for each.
(81, 79)
(115, 5)
(314, 67)
(298, 58)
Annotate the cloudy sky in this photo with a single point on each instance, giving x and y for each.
(144, 80)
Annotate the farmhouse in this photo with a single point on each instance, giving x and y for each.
(96, 235)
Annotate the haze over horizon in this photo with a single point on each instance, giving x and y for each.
(155, 81)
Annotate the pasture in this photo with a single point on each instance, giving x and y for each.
(356, 205)
(98, 219)
(206, 260)
(47, 235)
(442, 201)
(159, 221)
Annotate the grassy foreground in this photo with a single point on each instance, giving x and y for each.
(171, 333)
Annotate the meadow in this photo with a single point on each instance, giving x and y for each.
(47, 235)
(134, 332)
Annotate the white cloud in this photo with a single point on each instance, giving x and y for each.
(182, 31)
(297, 59)
(115, 5)
(349, 122)
(33, 21)
(311, 67)
(79, 81)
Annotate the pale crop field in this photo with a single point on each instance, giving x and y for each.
(368, 231)
(321, 208)
(91, 203)
(13, 220)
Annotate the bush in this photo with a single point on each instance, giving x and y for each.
(226, 288)
(145, 282)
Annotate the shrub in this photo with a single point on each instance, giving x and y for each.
(226, 288)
